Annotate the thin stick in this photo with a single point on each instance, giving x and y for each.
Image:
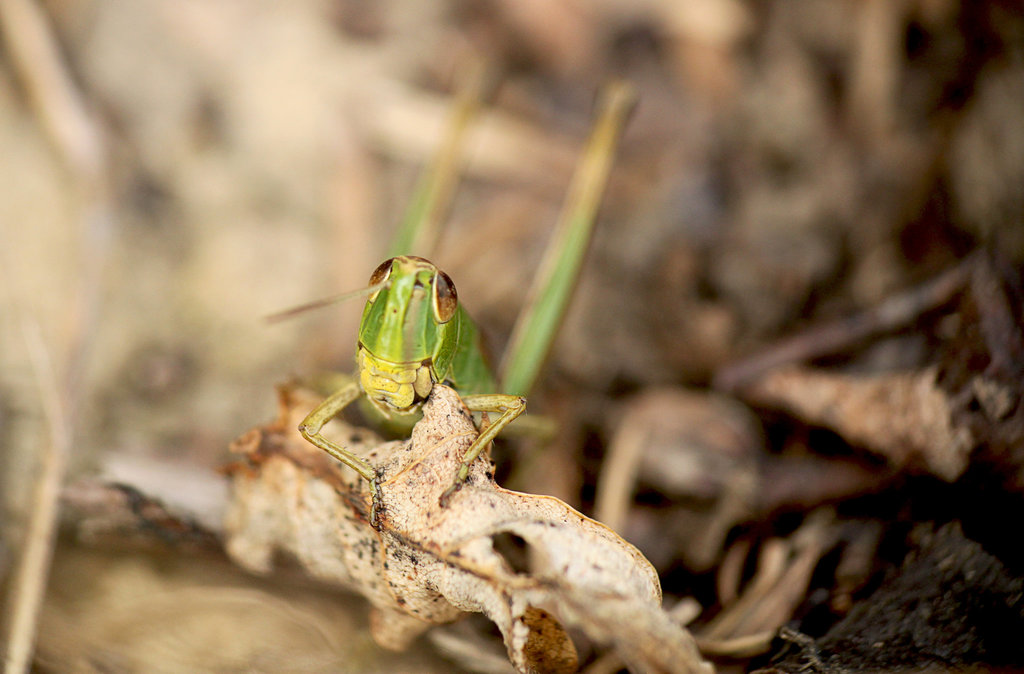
(876, 59)
(30, 44)
(619, 472)
(33, 567)
(893, 313)
(64, 116)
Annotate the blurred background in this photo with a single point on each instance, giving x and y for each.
(175, 171)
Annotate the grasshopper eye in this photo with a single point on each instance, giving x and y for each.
(381, 273)
(446, 300)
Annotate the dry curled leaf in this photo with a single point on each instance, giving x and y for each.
(905, 417)
(428, 565)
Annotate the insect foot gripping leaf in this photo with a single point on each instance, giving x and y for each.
(428, 565)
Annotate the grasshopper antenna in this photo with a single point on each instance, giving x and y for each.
(321, 303)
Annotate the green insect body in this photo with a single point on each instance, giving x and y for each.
(413, 334)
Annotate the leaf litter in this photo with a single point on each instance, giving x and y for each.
(428, 565)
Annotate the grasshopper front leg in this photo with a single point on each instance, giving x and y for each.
(315, 421)
(509, 406)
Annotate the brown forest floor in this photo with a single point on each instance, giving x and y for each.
(803, 301)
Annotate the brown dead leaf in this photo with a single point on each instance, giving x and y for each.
(905, 417)
(428, 565)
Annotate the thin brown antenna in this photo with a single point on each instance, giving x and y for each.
(321, 303)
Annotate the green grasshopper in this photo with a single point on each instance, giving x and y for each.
(414, 333)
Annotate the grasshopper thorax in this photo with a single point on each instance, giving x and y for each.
(408, 333)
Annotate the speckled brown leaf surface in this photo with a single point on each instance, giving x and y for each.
(428, 565)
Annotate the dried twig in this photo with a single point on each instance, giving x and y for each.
(876, 65)
(30, 44)
(121, 512)
(747, 626)
(33, 566)
(686, 444)
(32, 47)
(897, 311)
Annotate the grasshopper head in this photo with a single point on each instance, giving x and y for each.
(408, 331)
